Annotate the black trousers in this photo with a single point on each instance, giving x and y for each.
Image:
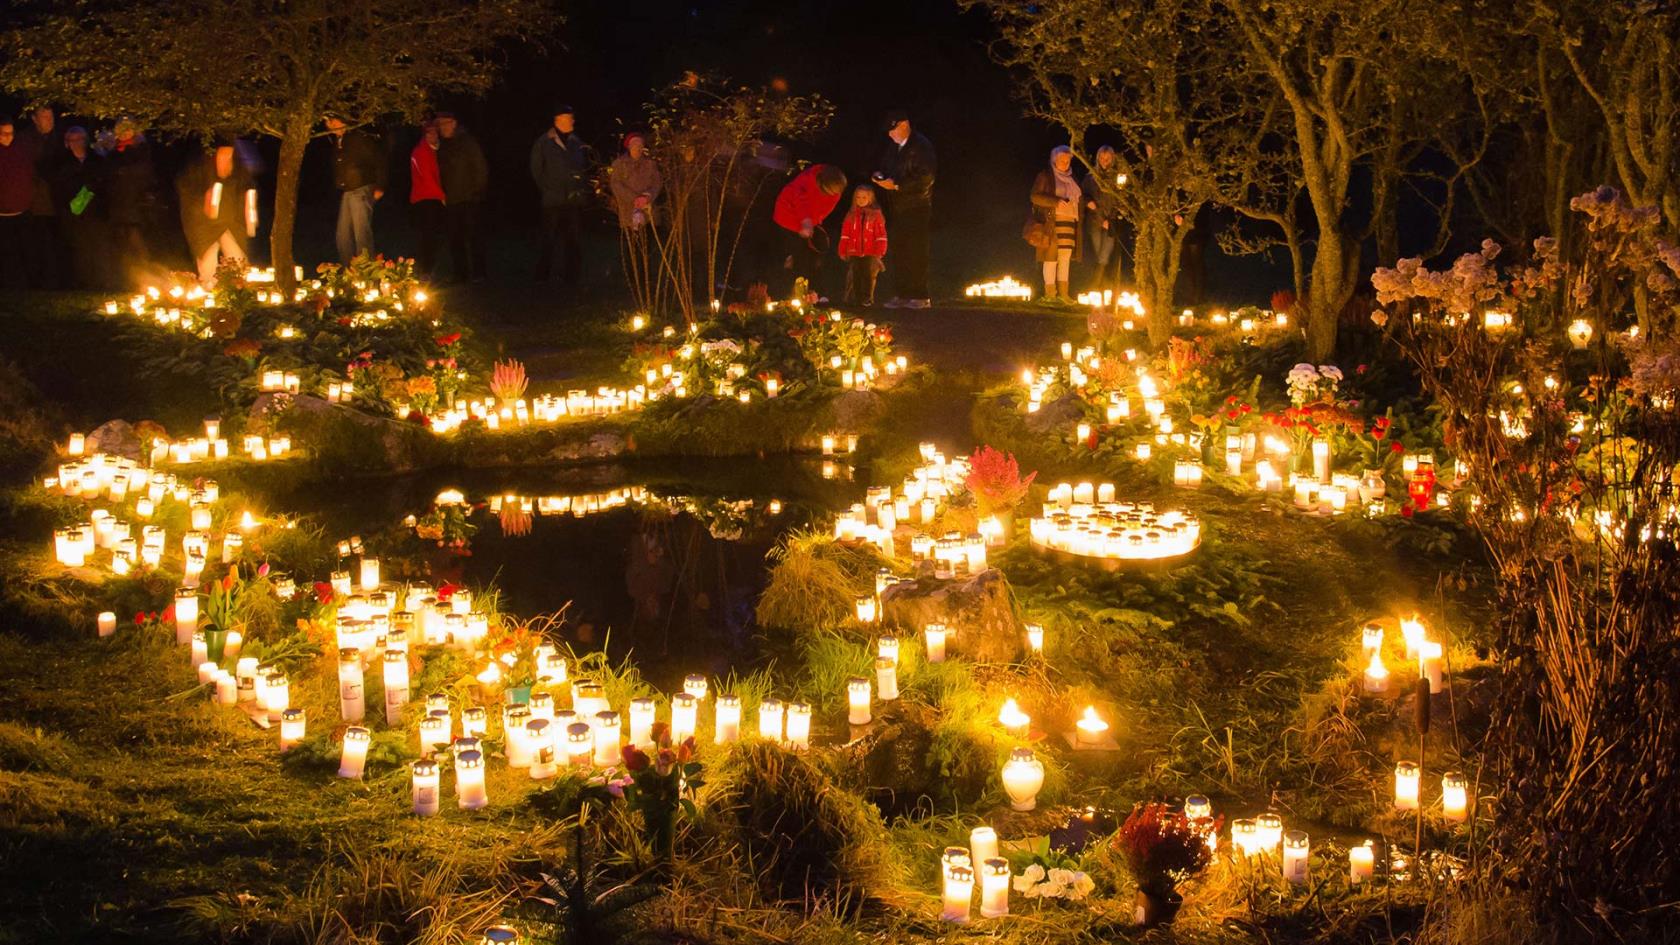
(466, 240)
(14, 254)
(908, 226)
(799, 259)
(44, 252)
(562, 234)
(429, 222)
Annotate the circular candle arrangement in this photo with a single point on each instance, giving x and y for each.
(1087, 523)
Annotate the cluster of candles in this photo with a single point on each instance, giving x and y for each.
(182, 306)
(959, 867)
(1004, 287)
(547, 408)
(1084, 519)
(1455, 791)
(916, 501)
(1429, 655)
(1106, 298)
(1261, 835)
(134, 490)
(1246, 324)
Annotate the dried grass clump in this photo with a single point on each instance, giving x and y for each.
(804, 838)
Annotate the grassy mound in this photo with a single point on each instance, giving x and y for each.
(805, 838)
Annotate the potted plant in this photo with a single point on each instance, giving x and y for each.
(223, 611)
(995, 481)
(1162, 849)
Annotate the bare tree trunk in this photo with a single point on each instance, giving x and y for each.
(1333, 275)
(286, 173)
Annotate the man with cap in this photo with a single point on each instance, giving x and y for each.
(905, 173)
(560, 166)
(359, 175)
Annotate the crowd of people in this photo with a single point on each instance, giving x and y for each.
(76, 211)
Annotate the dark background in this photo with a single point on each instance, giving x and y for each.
(865, 56)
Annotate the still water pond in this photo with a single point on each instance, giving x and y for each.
(664, 561)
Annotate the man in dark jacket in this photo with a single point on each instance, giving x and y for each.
(560, 166)
(465, 176)
(42, 137)
(359, 175)
(905, 172)
(17, 189)
(132, 188)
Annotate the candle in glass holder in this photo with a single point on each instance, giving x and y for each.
(1406, 775)
(1321, 460)
(727, 719)
(580, 745)
(935, 634)
(983, 843)
(994, 887)
(886, 679)
(1376, 674)
(1023, 778)
(642, 713)
(227, 688)
(353, 757)
(351, 704)
(1431, 659)
(107, 623)
(519, 751)
(1295, 851)
(1361, 863)
(370, 575)
(959, 894)
(695, 685)
(1013, 720)
(1035, 638)
(425, 791)
(277, 695)
(770, 717)
(684, 714)
(1413, 631)
(887, 648)
(434, 734)
(1092, 730)
(799, 726)
(857, 700)
(1245, 836)
(606, 738)
(1455, 797)
(1370, 639)
(866, 610)
(1270, 828)
(539, 737)
(396, 685)
(470, 793)
(293, 723)
(186, 614)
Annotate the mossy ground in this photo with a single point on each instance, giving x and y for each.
(131, 809)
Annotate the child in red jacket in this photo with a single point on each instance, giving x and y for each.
(863, 241)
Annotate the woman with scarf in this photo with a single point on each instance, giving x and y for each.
(1054, 230)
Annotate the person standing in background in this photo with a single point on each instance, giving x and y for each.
(44, 250)
(1102, 217)
(636, 183)
(465, 176)
(905, 172)
(133, 192)
(425, 197)
(77, 180)
(17, 189)
(1056, 204)
(560, 166)
(863, 246)
(359, 175)
(218, 210)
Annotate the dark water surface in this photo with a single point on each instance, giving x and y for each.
(665, 561)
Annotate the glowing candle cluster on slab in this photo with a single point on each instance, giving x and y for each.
(1086, 521)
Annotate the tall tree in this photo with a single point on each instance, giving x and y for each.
(1137, 76)
(1329, 60)
(273, 67)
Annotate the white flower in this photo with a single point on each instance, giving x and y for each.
(1051, 890)
(1080, 886)
(1330, 371)
(1030, 877)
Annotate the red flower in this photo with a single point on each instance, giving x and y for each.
(1397, 446)
(634, 758)
(323, 592)
(449, 339)
(660, 732)
(139, 618)
(446, 592)
(1378, 433)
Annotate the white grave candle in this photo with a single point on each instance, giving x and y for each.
(857, 700)
(470, 793)
(1295, 856)
(425, 775)
(994, 887)
(799, 726)
(107, 623)
(351, 704)
(728, 719)
(353, 757)
(396, 685)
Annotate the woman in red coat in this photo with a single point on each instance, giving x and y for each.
(425, 196)
(801, 207)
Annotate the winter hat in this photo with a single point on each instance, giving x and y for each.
(634, 136)
(562, 110)
(896, 115)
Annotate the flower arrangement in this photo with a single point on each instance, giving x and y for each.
(1161, 848)
(447, 525)
(1040, 882)
(661, 785)
(508, 380)
(1308, 384)
(995, 481)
